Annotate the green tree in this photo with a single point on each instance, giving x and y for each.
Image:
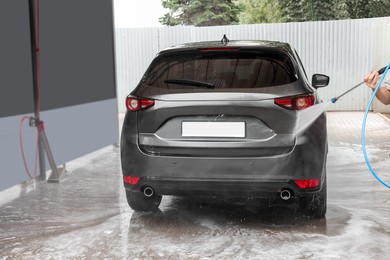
(260, 11)
(292, 10)
(357, 8)
(340, 10)
(221, 12)
(379, 8)
(318, 10)
(367, 8)
(200, 12)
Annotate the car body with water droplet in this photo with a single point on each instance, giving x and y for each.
(219, 119)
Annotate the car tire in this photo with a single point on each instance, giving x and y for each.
(314, 205)
(139, 202)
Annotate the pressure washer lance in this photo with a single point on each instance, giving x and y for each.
(333, 100)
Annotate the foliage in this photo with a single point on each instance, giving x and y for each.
(224, 12)
(260, 11)
(367, 8)
(357, 8)
(292, 10)
(318, 10)
(200, 12)
(263, 11)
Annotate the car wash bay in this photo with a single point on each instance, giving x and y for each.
(86, 215)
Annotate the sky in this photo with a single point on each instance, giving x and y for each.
(138, 13)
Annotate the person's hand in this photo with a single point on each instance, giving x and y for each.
(372, 79)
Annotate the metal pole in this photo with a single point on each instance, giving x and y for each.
(34, 58)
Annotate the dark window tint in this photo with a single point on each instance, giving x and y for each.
(217, 71)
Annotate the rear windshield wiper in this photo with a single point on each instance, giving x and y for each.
(190, 82)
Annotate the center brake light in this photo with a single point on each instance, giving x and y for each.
(137, 104)
(296, 103)
(219, 49)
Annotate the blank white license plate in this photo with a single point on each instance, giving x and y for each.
(213, 129)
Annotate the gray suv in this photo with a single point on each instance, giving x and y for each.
(219, 119)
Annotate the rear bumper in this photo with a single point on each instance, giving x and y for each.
(219, 188)
(228, 177)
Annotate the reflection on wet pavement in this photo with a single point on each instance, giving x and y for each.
(189, 216)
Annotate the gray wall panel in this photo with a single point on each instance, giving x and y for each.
(77, 130)
(76, 52)
(15, 59)
(12, 168)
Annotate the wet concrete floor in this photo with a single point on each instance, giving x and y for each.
(86, 215)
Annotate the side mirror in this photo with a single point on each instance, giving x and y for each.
(319, 81)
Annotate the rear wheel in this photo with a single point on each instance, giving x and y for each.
(314, 205)
(139, 202)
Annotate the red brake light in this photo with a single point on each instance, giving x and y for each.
(303, 102)
(136, 104)
(132, 180)
(307, 184)
(296, 103)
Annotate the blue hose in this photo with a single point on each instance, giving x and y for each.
(364, 129)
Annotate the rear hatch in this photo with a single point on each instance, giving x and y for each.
(218, 103)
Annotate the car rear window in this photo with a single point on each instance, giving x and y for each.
(217, 71)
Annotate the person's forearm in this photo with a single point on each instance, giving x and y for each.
(383, 95)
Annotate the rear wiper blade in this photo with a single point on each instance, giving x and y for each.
(190, 82)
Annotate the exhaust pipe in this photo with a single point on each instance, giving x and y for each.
(285, 194)
(148, 192)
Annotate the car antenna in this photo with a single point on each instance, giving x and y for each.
(224, 40)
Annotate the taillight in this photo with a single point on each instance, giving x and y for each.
(136, 104)
(132, 180)
(307, 184)
(296, 103)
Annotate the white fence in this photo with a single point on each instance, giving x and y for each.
(345, 50)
